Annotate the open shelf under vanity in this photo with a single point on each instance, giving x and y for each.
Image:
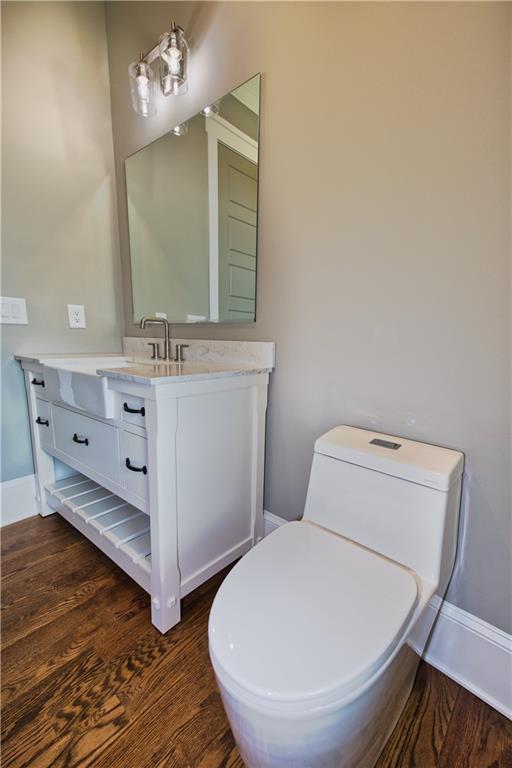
(118, 528)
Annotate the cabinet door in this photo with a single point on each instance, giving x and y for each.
(134, 464)
(43, 422)
(214, 476)
(133, 410)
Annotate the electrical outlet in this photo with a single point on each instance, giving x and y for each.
(76, 315)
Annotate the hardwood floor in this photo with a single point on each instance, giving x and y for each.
(87, 681)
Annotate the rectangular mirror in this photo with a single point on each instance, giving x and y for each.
(193, 215)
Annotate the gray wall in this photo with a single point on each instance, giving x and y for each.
(384, 231)
(59, 234)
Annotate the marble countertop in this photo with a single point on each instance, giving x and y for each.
(161, 373)
(144, 371)
(43, 357)
(205, 360)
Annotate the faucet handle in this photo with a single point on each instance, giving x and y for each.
(179, 352)
(156, 350)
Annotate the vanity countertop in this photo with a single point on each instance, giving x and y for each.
(161, 373)
(143, 371)
(49, 357)
(205, 360)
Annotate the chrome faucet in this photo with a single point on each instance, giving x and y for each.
(149, 319)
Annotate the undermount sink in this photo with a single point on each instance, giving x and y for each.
(75, 382)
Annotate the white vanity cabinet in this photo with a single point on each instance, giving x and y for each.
(171, 488)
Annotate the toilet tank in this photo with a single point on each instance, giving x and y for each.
(398, 497)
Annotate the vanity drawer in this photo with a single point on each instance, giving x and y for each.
(91, 442)
(134, 450)
(129, 404)
(37, 384)
(43, 423)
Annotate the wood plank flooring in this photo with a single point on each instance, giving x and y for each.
(87, 681)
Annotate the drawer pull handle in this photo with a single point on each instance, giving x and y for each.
(127, 409)
(81, 440)
(143, 469)
(44, 422)
(38, 382)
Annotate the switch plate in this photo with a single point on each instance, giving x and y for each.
(13, 311)
(76, 315)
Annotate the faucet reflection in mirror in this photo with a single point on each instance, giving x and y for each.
(172, 52)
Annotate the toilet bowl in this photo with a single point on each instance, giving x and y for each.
(315, 635)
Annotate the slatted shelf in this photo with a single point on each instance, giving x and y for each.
(118, 528)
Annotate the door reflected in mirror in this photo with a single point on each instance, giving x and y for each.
(193, 215)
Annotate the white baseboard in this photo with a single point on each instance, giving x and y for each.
(472, 652)
(272, 522)
(18, 499)
(475, 654)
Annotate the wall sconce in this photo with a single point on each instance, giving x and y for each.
(172, 51)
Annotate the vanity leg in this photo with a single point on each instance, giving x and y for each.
(161, 424)
(259, 406)
(43, 463)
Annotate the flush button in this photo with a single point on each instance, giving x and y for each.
(385, 444)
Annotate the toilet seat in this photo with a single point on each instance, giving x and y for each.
(308, 616)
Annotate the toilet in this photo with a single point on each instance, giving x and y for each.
(316, 633)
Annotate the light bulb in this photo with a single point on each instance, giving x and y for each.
(174, 57)
(173, 52)
(142, 88)
(180, 130)
(211, 109)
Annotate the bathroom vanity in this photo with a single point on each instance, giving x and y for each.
(160, 464)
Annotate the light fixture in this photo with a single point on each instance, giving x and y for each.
(172, 50)
(180, 130)
(211, 109)
(142, 87)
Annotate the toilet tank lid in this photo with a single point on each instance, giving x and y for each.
(420, 463)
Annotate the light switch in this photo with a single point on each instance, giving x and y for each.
(13, 311)
(17, 310)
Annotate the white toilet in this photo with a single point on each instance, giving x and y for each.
(315, 635)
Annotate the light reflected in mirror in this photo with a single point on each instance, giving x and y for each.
(192, 214)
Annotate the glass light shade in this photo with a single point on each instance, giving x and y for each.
(173, 50)
(142, 88)
(180, 130)
(211, 109)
